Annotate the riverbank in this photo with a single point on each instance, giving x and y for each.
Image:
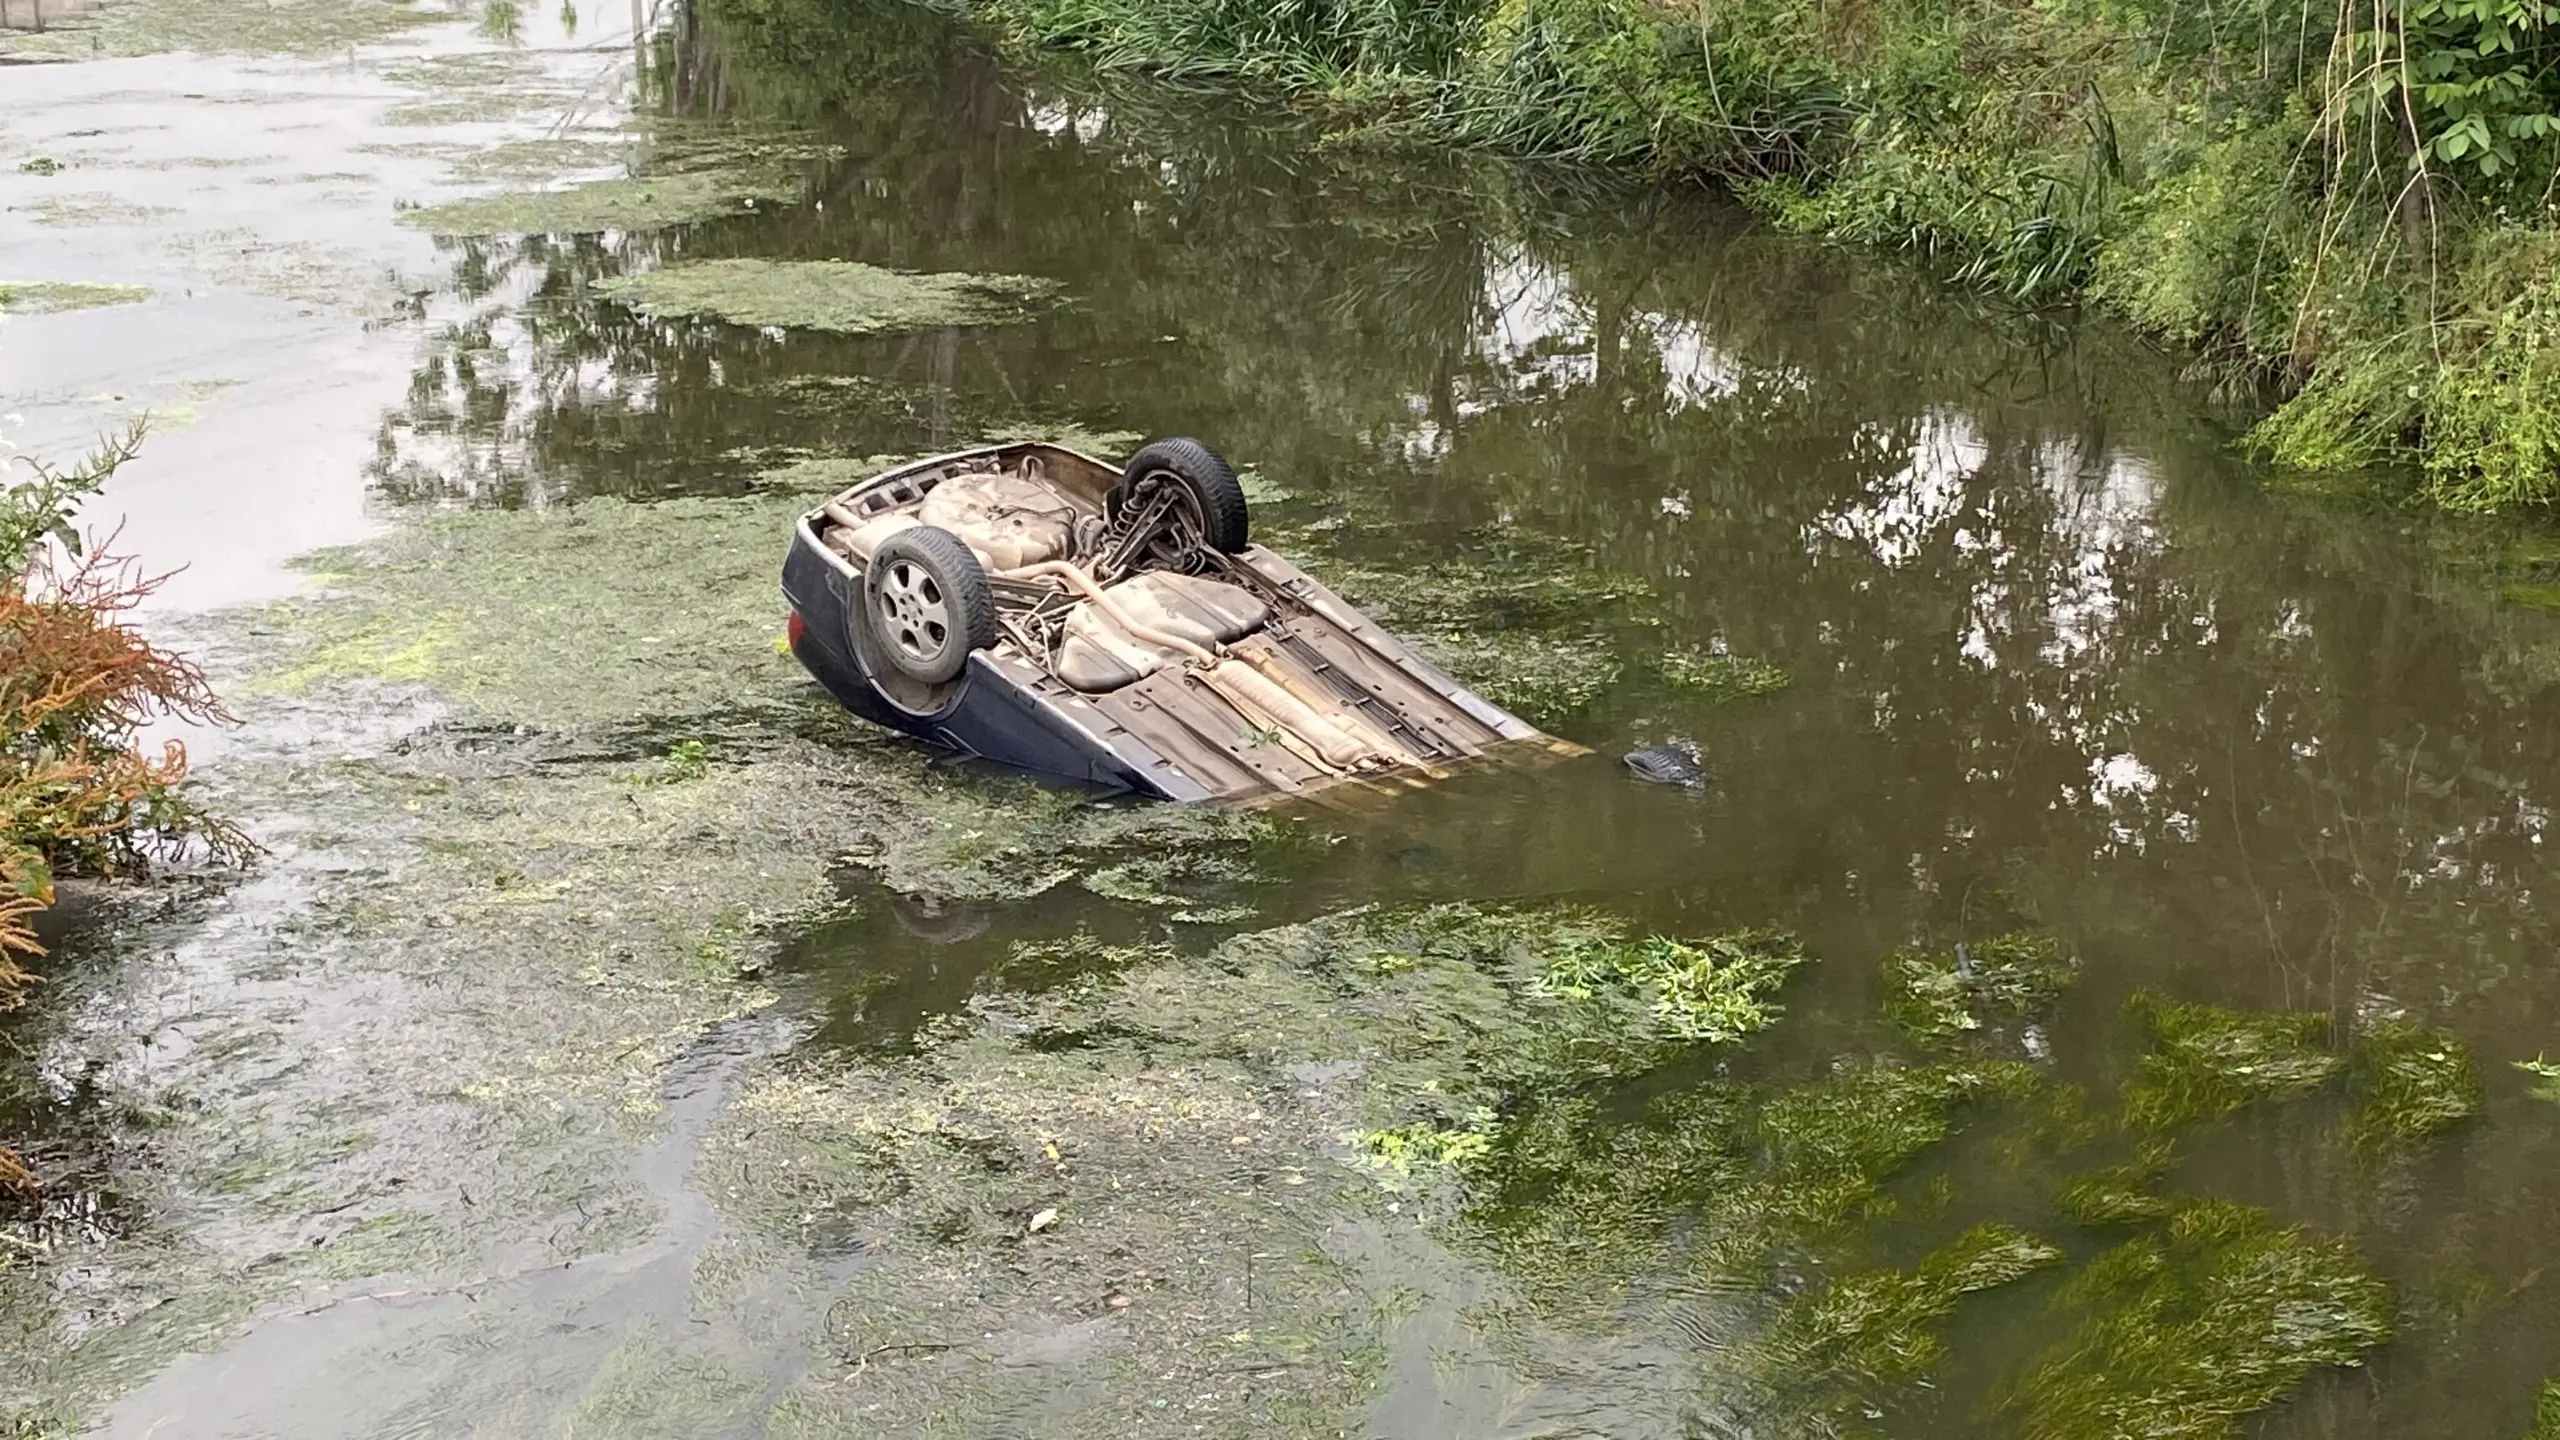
(2349, 212)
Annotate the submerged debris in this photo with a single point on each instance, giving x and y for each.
(837, 295)
(1668, 765)
(2181, 1333)
(2207, 1062)
(1938, 996)
(2546, 1078)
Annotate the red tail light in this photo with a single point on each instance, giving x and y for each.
(795, 629)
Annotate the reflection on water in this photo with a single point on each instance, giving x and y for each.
(2055, 655)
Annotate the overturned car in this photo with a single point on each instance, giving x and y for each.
(1117, 627)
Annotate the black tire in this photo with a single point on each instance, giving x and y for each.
(926, 601)
(1205, 477)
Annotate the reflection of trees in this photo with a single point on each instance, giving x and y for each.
(2047, 641)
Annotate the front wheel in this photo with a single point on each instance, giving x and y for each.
(1200, 500)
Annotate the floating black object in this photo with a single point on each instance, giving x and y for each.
(1667, 765)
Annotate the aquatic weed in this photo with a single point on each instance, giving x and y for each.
(836, 295)
(1938, 996)
(41, 297)
(1869, 1330)
(2546, 1413)
(1405, 1151)
(2120, 1195)
(1715, 990)
(2409, 1083)
(685, 760)
(2546, 1078)
(2206, 1061)
(2182, 1333)
(1716, 673)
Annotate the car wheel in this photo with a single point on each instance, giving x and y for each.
(926, 601)
(1207, 504)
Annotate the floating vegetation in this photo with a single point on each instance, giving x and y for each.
(2206, 1062)
(631, 203)
(2181, 1334)
(1724, 676)
(836, 295)
(1192, 888)
(44, 297)
(2410, 1083)
(2546, 1076)
(221, 27)
(1422, 1147)
(1574, 1205)
(1715, 990)
(1832, 1352)
(1938, 997)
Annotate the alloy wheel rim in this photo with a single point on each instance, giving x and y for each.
(914, 612)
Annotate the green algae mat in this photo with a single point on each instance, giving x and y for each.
(834, 295)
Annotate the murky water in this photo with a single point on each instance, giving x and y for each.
(2058, 660)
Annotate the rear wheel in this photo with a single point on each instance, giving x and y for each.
(926, 604)
(1191, 492)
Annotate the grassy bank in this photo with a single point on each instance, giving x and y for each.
(2351, 206)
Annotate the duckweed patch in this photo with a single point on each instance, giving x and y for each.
(2206, 1062)
(44, 297)
(1110, 1153)
(606, 612)
(1941, 997)
(2411, 1083)
(2182, 1333)
(835, 295)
